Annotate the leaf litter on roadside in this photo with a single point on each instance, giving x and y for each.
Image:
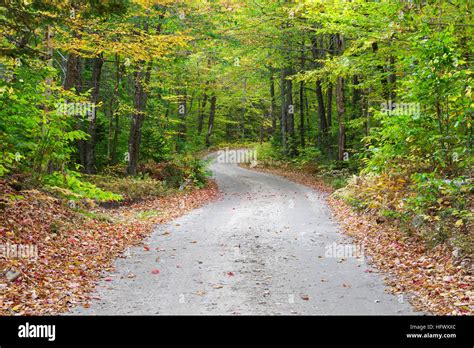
(431, 279)
(73, 250)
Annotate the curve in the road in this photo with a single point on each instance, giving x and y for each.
(261, 249)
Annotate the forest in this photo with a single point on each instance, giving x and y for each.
(108, 105)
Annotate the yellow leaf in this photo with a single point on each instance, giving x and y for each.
(459, 223)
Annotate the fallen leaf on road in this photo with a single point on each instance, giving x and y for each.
(155, 271)
(217, 286)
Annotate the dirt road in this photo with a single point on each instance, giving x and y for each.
(268, 247)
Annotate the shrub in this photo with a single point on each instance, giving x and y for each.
(70, 186)
(182, 170)
(131, 188)
(436, 210)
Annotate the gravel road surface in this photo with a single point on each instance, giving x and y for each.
(268, 247)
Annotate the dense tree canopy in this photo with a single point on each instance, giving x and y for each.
(172, 76)
(383, 87)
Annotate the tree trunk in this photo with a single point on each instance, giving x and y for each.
(329, 105)
(113, 151)
(356, 100)
(383, 80)
(141, 78)
(290, 118)
(392, 78)
(302, 128)
(365, 112)
(340, 105)
(340, 117)
(301, 96)
(202, 110)
(111, 108)
(210, 124)
(244, 110)
(322, 134)
(73, 80)
(39, 166)
(283, 112)
(272, 103)
(182, 97)
(290, 109)
(73, 72)
(90, 143)
(308, 123)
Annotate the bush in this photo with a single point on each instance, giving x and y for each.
(117, 170)
(179, 172)
(70, 186)
(197, 172)
(307, 158)
(131, 188)
(436, 210)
